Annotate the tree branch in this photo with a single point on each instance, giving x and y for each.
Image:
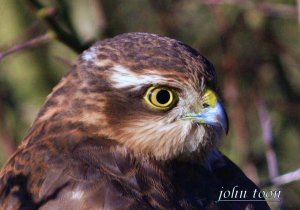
(47, 16)
(266, 126)
(28, 44)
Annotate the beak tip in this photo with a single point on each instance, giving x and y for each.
(226, 129)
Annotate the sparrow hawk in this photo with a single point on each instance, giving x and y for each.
(135, 124)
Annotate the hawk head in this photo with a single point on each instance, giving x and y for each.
(152, 94)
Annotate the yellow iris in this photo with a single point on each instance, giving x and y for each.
(159, 97)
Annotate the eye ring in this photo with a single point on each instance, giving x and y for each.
(160, 97)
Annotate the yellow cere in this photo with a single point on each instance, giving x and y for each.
(210, 98)
(159, 97)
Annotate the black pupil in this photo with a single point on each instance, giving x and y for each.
(163, 96)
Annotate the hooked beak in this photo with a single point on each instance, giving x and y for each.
(211, 115)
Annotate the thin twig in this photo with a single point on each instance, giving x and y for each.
(283, 179)
(287, 178)
(64, 61)
(37, 41)
(268, 139)
(266, 126)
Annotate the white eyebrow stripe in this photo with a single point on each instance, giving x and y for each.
(123, 77)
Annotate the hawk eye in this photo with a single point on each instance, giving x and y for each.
(162, 98)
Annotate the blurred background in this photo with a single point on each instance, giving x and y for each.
(254, 45)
